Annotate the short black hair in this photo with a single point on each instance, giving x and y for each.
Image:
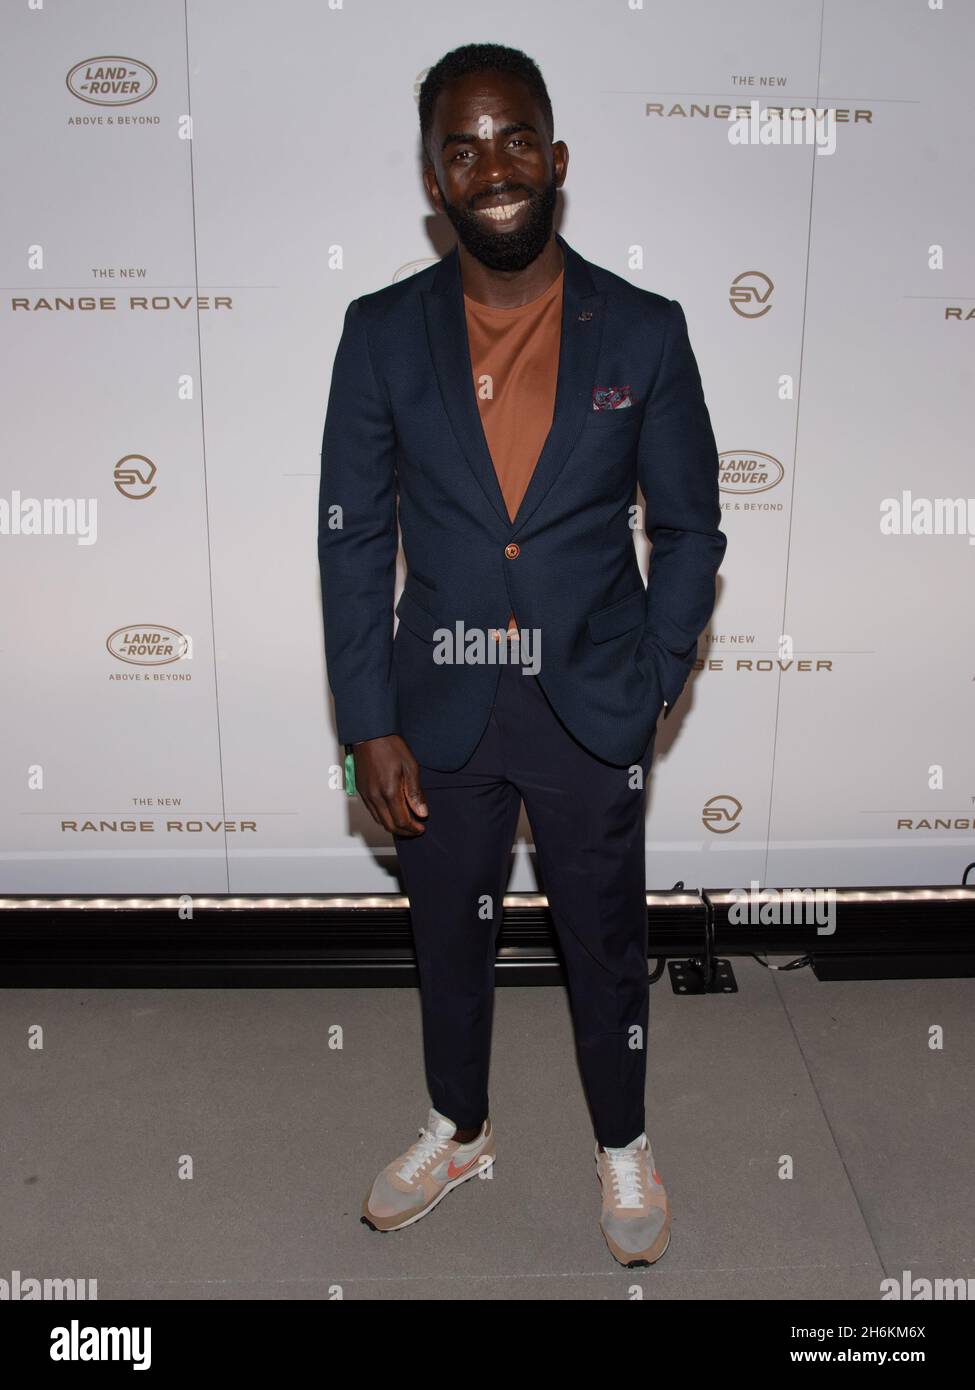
(481, 57)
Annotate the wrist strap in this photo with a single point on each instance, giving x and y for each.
(349, 770)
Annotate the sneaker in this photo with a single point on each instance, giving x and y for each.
(635, 1218)
(414, 1183)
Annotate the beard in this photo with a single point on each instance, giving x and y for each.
(506, 250)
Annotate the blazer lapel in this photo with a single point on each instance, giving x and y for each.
(582, 328)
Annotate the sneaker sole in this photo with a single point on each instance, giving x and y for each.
(375, 1222)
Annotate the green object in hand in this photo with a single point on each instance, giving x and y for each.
(349, 770)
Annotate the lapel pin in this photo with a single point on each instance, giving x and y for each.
(585, 316)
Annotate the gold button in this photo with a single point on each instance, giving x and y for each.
(512, 551)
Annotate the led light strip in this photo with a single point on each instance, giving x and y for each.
(718, 897)
(204, 901)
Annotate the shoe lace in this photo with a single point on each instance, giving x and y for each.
(426, 1147)
(624, 1170)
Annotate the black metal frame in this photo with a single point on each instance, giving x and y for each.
(308, 940)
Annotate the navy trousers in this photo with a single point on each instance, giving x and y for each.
(587, 822)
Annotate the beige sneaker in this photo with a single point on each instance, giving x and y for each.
(636, 1217)
(414, 1183)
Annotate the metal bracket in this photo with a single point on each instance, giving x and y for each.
(687, 977)
(705, 974)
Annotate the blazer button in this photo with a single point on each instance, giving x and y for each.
(512, 551)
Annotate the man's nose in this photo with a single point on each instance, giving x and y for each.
(495, 167)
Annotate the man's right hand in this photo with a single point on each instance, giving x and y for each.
(387, 777)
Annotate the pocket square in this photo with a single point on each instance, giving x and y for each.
(611, 397)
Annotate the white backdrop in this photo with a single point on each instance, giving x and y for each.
(175, 291)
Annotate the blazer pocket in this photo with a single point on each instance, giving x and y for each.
(606, 419)
(420, 587)
(413, 615)
(619, 617)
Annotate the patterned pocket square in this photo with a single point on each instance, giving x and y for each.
(611, 397)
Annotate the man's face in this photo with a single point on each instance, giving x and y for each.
(494, 171)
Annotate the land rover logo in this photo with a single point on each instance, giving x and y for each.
(111, 81)
(147, 644)
(743, 470)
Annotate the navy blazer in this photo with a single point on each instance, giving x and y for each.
(403, 423)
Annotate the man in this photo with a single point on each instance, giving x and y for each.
(510, 398)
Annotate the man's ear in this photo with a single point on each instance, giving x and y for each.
(430, 183)
(563, 147)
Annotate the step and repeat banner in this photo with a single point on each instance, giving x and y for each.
(194, 190)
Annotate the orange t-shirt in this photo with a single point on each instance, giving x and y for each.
(517, 350)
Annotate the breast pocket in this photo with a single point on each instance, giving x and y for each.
(600, 420)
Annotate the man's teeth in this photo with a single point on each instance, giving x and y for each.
(504, 214)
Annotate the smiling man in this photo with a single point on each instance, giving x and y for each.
(510, 399)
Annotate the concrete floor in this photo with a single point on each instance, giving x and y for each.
(286, 1135)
